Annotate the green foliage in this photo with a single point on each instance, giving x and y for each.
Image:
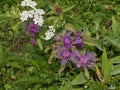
(106, 66)
(79, 79)
(27, 67)
(1, 54)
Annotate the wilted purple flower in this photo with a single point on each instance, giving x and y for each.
(33, 28)
(83, 60)
(78, 40)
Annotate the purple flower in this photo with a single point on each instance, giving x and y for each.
(67, 42)
(78, 40)
(67, 46)
(65, 56)
(65, 39)
(83, 60)
(33, 29)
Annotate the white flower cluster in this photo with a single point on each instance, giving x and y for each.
(35, 14)
(29, 3)
(50, 33)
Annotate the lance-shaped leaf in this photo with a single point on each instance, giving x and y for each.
(106, 66)
(40, 44)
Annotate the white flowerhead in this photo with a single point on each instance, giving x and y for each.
(35, 14)
(38, 20)
(29, 3)
(50, 33)
(51, 28)
(31, 13)
(24, 16)
(39, 11)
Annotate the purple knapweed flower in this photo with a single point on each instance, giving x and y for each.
(78, 40)
(33, 29)
(65, 56)
(67, 41)
(82, 60)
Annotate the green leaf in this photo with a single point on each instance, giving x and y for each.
(115, 70)
(69, 8)
(31, 79)
(16, 26)
(104, 60)
(7, 87)
(40, 44)
(15, 65)
(107, 72)
(53, 88)
(69, 26)
(113, 41)
(77, 89)
(106, 66)
(115, 26)
(1, 54)
(51, 58)
(36, 64)
(86, 73)
(66, 87)
(51, 18)
(97, 23)
(92, 42)
(115, 60)
(79, 79)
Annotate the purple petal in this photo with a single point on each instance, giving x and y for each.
(78, 40)
(67, 42)
(33, 28)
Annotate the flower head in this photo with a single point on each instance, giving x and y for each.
(78, 40)
(84, 60)
(68, 45)
(65, 56)
(58, 9)
(67, 42)
(35, 14)
(29, 3)
(24, 15)
(33, 28)
(50, 33)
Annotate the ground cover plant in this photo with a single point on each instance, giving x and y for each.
(60, 45)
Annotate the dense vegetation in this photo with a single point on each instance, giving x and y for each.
(29, 62)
